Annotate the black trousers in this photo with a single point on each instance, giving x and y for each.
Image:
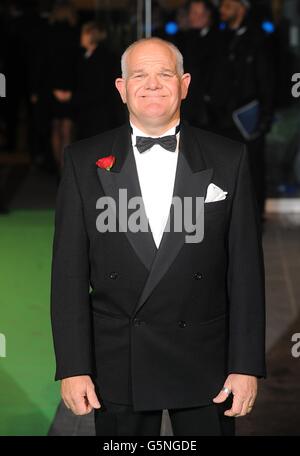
(119, 419)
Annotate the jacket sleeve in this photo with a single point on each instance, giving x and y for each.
(70, 308)
(246, 282)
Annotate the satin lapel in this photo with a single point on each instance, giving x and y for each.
(192, 179)
(123, 175)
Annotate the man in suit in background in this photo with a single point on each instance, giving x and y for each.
(144, 320)
(243, 72)
(199, 45)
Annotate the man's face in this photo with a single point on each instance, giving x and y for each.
(85, 40)
(229, 10)
(198, 16)
(152, 89)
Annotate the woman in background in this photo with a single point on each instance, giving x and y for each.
(54, 74)
(63, 41)
(95, 101)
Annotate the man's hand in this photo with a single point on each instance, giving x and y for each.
(244, 390)
(78, 393)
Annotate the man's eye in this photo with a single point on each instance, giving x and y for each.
(138, 76)
(166, 75)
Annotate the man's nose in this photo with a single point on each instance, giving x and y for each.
(153, 82)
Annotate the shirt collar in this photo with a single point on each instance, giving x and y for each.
(204, 31)
(137, 132)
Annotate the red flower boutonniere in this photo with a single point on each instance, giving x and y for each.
(106, 162)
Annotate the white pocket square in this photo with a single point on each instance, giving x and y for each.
(214, 193)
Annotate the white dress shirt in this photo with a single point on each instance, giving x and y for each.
(156, 169)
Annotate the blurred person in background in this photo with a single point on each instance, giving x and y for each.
(35, 28)
(14, 68)
(243, 72)
(55, 75)
(95, 102)
(199, 46)
(63, 45)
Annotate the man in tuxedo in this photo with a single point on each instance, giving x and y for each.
(199, 45)
(142, 319)
(243, 72)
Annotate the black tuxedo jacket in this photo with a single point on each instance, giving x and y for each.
(159, 328)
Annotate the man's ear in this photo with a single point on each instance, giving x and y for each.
(120, 85)
(185, 82)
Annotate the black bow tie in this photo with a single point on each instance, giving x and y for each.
(169, 142)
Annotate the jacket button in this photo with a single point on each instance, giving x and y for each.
(182, 323)
(113, 275)
(198, 275)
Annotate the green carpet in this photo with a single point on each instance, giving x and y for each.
(28, 394)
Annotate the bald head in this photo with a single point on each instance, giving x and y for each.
(153, 84)
(151, 44)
